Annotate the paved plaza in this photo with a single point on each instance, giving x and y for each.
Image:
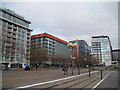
(50, 78)
(15, 78)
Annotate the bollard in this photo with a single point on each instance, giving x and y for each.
(78, 70)
(72, 70)
(93, 67)
(101, 74)
(64, 72)
(89, 72)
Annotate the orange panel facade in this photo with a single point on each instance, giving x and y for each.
(50, 36)
(74, 52)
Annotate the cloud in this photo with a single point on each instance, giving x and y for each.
(71, 21)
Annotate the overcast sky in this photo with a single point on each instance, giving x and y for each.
(71, 21)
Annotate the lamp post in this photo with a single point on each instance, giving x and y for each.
(72, 46)
(85, 61)
(92, 64)
(78, 69)
(93, 60)
(72, 64)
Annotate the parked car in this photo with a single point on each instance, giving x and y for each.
(5, 68)
(47, 65)
(27, 68)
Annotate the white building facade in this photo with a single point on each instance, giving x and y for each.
(15, 39)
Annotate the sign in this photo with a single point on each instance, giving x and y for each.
(26, 64)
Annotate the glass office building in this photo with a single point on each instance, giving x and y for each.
(15, 39)
(52, 45)
(115, 56)
(83, 49)
(101, 47)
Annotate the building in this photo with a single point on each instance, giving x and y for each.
(81, 52)
(101, 47)
(15, 39)
(74, 49)
(54, 50)
(83, 49)
(115, 55)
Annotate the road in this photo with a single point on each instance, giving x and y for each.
(112, 81)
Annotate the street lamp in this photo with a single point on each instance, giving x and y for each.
(72, 46)
(85, 62)
(92, 64)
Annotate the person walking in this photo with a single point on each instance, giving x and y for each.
(66, 66)
(36, 67)
(65, 69)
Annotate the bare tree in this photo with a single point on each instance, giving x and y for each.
(38, 55)
(60, 59)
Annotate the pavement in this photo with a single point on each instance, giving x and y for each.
(78, 82)
(54, 78)
(16, 78)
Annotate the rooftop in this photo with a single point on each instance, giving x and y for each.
(116, 50)
(100, 36)
(49, 36)
(11, 12)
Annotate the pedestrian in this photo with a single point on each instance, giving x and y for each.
(65, 69)
(66, 66)
(36, 67)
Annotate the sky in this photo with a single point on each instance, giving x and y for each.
(70, 20)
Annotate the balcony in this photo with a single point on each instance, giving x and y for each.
(7, 55)
(28, 34)
(46, 39)
(53, 42)
(13, 41)
(28, 45)
(50, 48)
(53, 45)
(44, 42)
(9, 37)
(13, 47)
(13, 52)
(50, 44)
(9, 30)
(28, 41)
(27, 55)
(14, 32)
(28, 50)
(28, 37)
(5, 24)
(14, 27)
(33, 42)
(4, 28)
(9, 45)
(8, 40)
(12, 55)
(14, 37)
(9, 26)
